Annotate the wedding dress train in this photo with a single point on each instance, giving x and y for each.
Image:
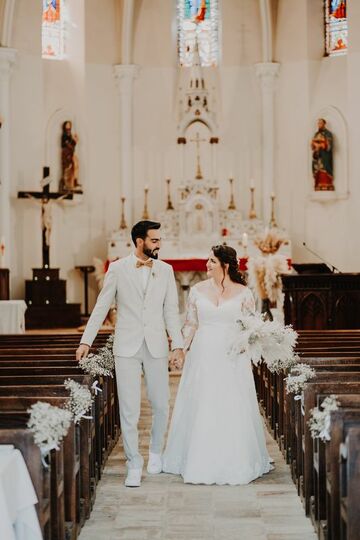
(216, 434)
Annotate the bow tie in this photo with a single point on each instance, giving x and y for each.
(147, 263)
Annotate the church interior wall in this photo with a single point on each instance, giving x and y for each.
(307, 83)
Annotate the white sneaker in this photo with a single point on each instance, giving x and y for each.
(133, 478)
(154, 465)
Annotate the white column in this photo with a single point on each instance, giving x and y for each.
(267, 73)
(7, 59)
(124, 77)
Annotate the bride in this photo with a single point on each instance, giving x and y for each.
(216, 434)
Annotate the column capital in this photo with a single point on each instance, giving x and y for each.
(7, 60)
(125, 74)
(267, 72)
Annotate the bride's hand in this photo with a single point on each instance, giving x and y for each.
(177, 358)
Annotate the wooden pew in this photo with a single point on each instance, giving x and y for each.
(349, 485)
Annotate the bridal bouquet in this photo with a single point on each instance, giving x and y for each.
(49, 425)
(101, 363)
(80, 400)
(265, 340)
(319, 422)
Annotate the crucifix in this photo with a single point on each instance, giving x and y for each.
(45, 198)
(197, 140)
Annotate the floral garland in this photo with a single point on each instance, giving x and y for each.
(265, 340)
(80, 400)
(49, 425)
(102, 363)
(296, 380)
(319, 422)
(264, 276)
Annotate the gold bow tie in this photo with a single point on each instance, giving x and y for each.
(147, 263)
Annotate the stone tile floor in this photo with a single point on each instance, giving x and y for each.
(165, 508)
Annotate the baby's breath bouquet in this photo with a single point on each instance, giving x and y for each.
(79, 401)
(102, 363)
(297, 378)
(319, 422)
(49, 425)
(260, 340)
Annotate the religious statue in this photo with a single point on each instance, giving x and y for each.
(51, 11)
(69, 160)
(322, 158)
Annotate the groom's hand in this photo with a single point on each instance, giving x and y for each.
(177, 358)
(82, 351)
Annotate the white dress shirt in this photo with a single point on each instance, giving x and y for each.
(143, 272)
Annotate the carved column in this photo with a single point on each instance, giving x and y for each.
(124, 77)
(267, 73)
(7, 60)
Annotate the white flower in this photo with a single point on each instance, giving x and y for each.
(101, 363)
(79, 401)
(49, 425)
(296, 380)
(319, 422)
(265, 340)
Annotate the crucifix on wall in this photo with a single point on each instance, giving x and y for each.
(197, 141)
(46, 198)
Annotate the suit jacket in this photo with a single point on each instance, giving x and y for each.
(139, 315)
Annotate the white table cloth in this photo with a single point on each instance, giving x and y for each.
(12, 316)
(18, 518)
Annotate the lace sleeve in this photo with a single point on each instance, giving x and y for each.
(248, 305)
(191, 321)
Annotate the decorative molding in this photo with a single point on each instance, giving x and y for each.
(8, 23)
(268, 72)
(7, 61)
(125, 74)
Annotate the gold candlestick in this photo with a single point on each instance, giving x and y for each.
(145, 211)
(169, 202)
(123, 221)
(273, 223)
(232, 205)
(252, 213)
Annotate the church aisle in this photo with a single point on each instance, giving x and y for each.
(164, 508)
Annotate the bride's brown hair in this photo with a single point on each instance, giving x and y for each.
(227, 255)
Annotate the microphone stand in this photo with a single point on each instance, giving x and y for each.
(331, 266)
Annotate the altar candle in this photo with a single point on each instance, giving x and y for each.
(252, 183)
(244, 240)
(266, 232)
(272, 195)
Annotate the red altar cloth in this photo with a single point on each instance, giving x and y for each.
(187, 265)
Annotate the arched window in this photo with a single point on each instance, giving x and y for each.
(198, 23)
(53, 29)
(336, 27)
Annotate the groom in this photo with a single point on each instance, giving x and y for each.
(147, 308)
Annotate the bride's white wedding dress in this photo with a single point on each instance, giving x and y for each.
(216, 434)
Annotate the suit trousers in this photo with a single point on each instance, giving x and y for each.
(128, 379)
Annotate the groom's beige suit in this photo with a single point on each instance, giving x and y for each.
(147, 309)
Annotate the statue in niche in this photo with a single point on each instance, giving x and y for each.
(69, 160)
(322, 158)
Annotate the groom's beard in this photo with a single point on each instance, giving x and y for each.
(152, 253)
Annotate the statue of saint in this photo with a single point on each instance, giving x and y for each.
(69, 160)
(322, 158)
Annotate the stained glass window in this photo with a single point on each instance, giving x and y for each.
(198, 24)
(53, 29)
(336, 27)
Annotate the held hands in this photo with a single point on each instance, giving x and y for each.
(82, 351)
(177, 358)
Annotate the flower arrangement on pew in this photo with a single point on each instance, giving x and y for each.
(102, 363)
(319, 422)
(50, 424)
(297, 378)
(268, 341)
(80, 400)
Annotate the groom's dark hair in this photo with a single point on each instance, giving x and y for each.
(141, 229)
